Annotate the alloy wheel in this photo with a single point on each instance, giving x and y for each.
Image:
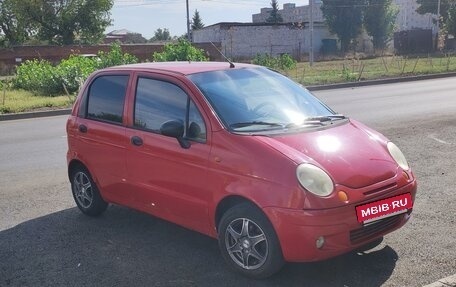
(83, 189)
(246, 243)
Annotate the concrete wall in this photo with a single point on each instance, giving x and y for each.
(11, 57)
(241, 41)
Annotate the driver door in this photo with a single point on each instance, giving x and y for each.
(168, 179)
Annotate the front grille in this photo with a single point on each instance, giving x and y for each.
(376, 228)
(380, 189)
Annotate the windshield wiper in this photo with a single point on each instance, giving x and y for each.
(255, 123)
(317, 120)
(325, 118)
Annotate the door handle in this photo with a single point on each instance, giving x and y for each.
(137, 141)
(82, 128)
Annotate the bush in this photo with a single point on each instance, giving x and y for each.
(40, 77)
(282, 62)
(180, 51)
(72, 72)
(115, 57)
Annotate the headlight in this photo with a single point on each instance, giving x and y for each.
(314, 179)
(398, 156)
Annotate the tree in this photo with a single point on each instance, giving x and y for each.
(447, 12)
(134, 38)
(379, 19)
(274, 16)
(68, 21)
(450, 24)
(13, 26)
(197, 23)
(161, 35)
(344, 18)
(427, 6)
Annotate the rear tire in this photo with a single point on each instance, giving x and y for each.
(86, 193)
(248, 242)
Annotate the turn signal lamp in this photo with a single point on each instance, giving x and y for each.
(343, 196)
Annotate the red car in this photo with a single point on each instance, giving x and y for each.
(237, 152)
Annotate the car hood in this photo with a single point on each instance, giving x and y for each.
(352, 154)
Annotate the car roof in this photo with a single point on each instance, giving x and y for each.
(184, 68)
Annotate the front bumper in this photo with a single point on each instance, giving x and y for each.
(298, 230)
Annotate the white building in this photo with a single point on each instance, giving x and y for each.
(241, 41)
(407, 19)
(292, 13)
(245, 40)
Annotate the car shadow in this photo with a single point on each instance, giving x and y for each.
(127, 248)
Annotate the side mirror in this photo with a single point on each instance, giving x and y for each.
(175, 129)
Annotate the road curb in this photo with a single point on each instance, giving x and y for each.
(381, 81)
(449, 281)
(18, 116)
(40, 114)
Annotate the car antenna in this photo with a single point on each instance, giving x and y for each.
(223, 55)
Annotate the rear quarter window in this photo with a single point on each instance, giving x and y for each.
(106, 98)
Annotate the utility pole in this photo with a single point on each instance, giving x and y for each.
(188, 24)
(438, 25)
(311, 50)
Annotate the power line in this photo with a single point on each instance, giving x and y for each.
(126, 3)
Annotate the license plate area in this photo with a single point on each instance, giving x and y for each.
(380, 209)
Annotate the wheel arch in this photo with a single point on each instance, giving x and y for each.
(74, 163)
(228, 202)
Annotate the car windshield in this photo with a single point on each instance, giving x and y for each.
(258, 99)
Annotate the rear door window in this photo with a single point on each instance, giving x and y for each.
(106, 98)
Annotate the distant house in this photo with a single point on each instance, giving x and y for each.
(124, 36)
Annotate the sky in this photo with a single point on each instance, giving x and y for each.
(146, 16)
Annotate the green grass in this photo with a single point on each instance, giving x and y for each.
(16, 101)
(327, 72)
(352, 70)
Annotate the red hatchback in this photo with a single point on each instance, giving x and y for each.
(237, 152)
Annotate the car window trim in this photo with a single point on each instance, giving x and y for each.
(85, 98)
(187, 112)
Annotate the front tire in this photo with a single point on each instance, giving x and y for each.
(248, 242)
(85, 192)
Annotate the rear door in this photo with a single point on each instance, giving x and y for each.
(169, 180)
(100, 129)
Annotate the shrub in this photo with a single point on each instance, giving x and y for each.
(286, 62)
(282, 62)
(347, 75)
(180, 51)
(72, 72)
(38, 76)
(115, 57)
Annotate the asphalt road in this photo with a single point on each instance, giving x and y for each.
(46, 241)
